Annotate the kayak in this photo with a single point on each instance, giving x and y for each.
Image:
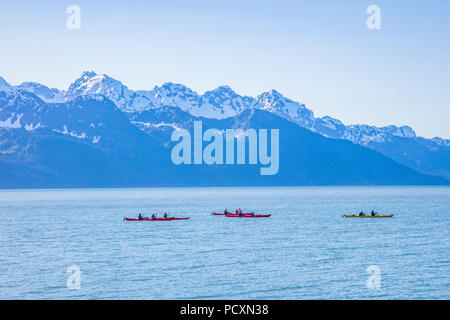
(223, 214)
(378, 216)
(157, 219)
(248, 215)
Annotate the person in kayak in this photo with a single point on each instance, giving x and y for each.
(165, 215)
(140, 217)
(154, 216)
(373, 213)
(361, 214)
(237, 211)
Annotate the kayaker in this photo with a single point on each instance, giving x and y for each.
(140, 217)
(226, 211)
(362, 214)
(237, 211)
(165, 215)
(373, 214)
(154, 216)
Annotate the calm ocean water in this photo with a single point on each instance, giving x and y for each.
(306, 250)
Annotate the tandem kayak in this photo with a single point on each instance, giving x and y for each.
(223, 214)
(378, 216)
(157, 219)
(248, 215)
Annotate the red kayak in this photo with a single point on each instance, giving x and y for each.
(157, 219)
(223, 214)
(246, 215)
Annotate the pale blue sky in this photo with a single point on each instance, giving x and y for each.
(316, 52)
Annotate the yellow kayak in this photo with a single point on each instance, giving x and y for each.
(377, 216)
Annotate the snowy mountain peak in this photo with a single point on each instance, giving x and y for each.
(276, 93)
(224, 102)
(91, 83)
(85, 77)
(170, 89)
(269, 96)
(50, 95)
(224, 90)
(364, 134)
(220, 94)
(88, 74)
(275, 102)
(5, 86)
(332, 121)
(173, 95)
(3, 81)
(272, 95)
(442, 142)
(403, 131)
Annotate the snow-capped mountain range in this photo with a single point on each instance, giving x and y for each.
(98, 132)
(219, 103)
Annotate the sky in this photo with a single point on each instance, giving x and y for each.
(320, 53)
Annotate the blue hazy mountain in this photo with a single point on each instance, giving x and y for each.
(399, 143)
(84, 142)
(306, 158)
(101, 134)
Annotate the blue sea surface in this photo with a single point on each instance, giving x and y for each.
(306, 250)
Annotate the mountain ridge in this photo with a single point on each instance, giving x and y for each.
(399, 143)
(127, 156)
(207, 105)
